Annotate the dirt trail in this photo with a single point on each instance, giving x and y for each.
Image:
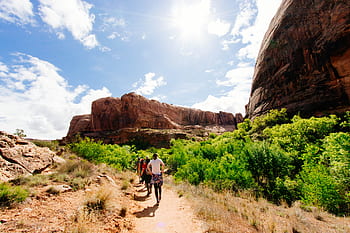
(174, 214)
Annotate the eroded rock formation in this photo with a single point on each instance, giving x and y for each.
(134, 117)
(19, 157)
(304, 60)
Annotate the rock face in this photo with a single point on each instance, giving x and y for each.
(119, 120)
(304, 60)
(19, 157)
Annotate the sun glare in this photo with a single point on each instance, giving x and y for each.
(191, 18)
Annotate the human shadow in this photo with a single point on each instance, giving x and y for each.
(149, 211)
(140, 198)
(142, 189)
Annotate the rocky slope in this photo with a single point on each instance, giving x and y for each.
(134, 117)
(19, 157)
(304, 60)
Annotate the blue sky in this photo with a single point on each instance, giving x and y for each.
(56, 57)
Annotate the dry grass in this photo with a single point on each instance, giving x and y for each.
(226, 212)
(127, 178)
(82, 223)
(99, 201)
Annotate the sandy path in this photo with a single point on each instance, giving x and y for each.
(173, 214)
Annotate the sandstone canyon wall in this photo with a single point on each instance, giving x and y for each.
(120, 120)
(304, 60)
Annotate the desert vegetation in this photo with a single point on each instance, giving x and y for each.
(282, 159)
(273, 174)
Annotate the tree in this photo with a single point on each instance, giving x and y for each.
(20, 133)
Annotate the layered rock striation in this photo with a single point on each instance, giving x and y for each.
(119, 120)
(304, 60)
(19, 157)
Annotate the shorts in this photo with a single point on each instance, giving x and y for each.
(157, 179)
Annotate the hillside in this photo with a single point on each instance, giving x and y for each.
(126, 208)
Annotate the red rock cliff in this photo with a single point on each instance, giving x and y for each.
(135, 111)
(115, 117)
(304, 60)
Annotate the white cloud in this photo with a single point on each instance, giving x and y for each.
(219, 27)
(251, 25)
(124, 37)
(111, 22)
(249, 28)
(149, 84)
(113, 35)
(90, 41)
(238, 76)
(159, 98)
(235, 100)
(105, 49)
(17, 11)
(209, 71)
(253, 35)
(60, 35)
(34, 97)
(71, 15)
(245, 17)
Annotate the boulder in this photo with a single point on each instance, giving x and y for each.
(19, 157)
(304, 60)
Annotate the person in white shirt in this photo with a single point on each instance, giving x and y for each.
(156, 167)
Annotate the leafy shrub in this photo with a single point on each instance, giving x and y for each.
(119, 157)
(336, 155)
(10, 195)
(193, 170)
(319, 188)
(229, 172)
(266, 162)
(301, 132)
(272, 118)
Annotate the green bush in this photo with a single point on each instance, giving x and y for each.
(10, 195)
(296, 136)
(279, 158)
(119, 157)
(319, 188)
(267, 162)
(336, 155)
(272, 118)
(193, 170)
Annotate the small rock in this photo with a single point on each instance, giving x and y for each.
(3, 220)
(27, 210)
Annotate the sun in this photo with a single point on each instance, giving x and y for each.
(191, 19)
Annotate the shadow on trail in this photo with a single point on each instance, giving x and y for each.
(140, 198)
(147, 212)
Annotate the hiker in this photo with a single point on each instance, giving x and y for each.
(143, 167)
(157, 166)
(147, 176)
(138, 168)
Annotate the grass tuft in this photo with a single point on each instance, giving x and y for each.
(10, 195)
(99, 201)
